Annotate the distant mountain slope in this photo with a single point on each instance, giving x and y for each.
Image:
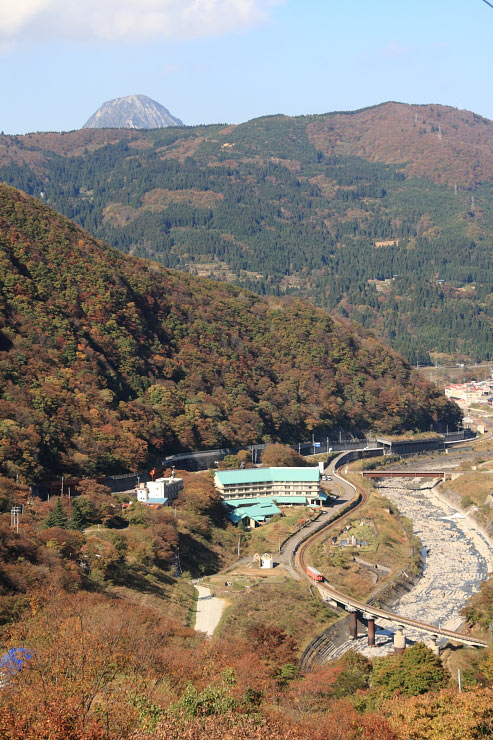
(105, 359)
(447, 145)
(384, 214)
(132, 111)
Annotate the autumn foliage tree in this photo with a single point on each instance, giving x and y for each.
(91, 654)
(108, 361)
(415, 671)
(278, 455)
(446, 715)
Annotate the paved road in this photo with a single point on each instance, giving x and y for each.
(346, 494)
(209, 611)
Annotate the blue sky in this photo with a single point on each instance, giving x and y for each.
(232, 60)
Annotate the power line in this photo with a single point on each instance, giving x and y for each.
(487, 3)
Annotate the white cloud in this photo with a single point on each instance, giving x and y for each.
(14, 14)
(128, 20)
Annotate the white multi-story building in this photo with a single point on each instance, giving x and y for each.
(268, 482)
(468, 393)
(160, 491)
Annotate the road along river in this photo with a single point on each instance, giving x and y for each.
(456, 559)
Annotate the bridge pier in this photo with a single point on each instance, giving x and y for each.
(399, 640)
(353, 624)
(433, 644)
(370, 621)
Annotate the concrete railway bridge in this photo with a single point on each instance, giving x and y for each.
(439, 475)
(361, 613)
(369, 615)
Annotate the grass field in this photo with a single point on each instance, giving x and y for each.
(289, 605)
(173, 598)
(389, 543)
(268, 537)
(473, 487)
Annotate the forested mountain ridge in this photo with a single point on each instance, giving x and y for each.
(384, 214)
(105, 359)
(447, 145)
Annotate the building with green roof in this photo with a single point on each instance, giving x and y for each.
(256, 511)
(289, 483)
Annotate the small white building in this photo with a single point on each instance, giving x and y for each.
(266, 560)
(159, 492)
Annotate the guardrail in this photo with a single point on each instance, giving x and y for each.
(206, 458)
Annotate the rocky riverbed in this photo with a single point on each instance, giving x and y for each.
(456, 559)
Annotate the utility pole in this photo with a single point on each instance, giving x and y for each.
(61, 493)
(177, 561)
(313, 443)
(14, 517)
(459, 680)
(239, 543)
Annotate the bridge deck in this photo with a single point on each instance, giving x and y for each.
(404, 474)
(430, 629)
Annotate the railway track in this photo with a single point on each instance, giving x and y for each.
(300, 563)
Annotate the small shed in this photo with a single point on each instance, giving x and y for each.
(266, 560)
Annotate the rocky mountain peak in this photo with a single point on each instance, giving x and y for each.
(132, 111)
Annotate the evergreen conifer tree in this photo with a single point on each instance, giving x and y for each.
(57, 517)
(76, 520)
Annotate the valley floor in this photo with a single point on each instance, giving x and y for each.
(457, 559)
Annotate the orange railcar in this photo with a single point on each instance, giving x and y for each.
(314, 573)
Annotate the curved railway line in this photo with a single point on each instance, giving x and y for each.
(300, 562)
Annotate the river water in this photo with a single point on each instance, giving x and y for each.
(456, 561)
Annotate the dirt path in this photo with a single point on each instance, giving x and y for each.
(209, 611)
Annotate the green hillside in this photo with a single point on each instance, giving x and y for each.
(106, 359)
(327, 207)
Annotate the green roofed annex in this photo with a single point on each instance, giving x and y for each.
(254, 495)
